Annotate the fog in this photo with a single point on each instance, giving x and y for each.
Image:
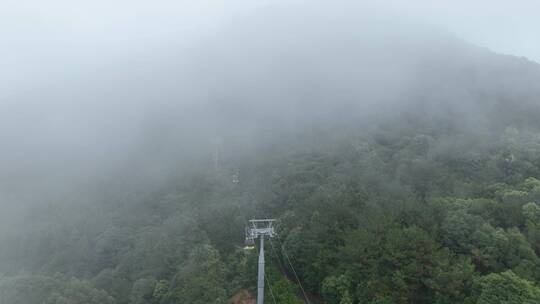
(137, 137)
(131, 93)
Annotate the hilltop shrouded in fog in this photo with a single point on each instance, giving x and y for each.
(401, 162)
(268, 74)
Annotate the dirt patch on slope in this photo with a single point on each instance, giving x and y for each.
(243, 296)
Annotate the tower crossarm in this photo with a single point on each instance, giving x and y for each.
(264, 227)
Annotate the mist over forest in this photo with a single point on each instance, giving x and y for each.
(401, 162)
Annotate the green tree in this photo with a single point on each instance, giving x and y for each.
(404, 265)
(503, 288)
(201, 279)
(531, 212)
(38, 289)
(337, 289)
(142, 291)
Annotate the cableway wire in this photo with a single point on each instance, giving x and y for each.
(278, 258)
(292, 268)
(270, 287)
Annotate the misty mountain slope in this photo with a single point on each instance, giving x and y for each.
(252, 83)
(402, 165)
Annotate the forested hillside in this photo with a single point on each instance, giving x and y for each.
(400, 170)
(409, 212)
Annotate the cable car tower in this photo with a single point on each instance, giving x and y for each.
(260, 229)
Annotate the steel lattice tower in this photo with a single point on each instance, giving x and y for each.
(260, 229)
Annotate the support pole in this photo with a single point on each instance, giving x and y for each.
(260, 228)
(260, 285)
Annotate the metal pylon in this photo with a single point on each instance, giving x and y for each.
(260, 229)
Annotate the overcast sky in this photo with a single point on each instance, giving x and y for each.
(504, 26)
(36, 35)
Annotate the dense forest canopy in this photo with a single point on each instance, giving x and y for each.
(401, 163)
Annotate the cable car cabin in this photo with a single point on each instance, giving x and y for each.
(249, 244)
